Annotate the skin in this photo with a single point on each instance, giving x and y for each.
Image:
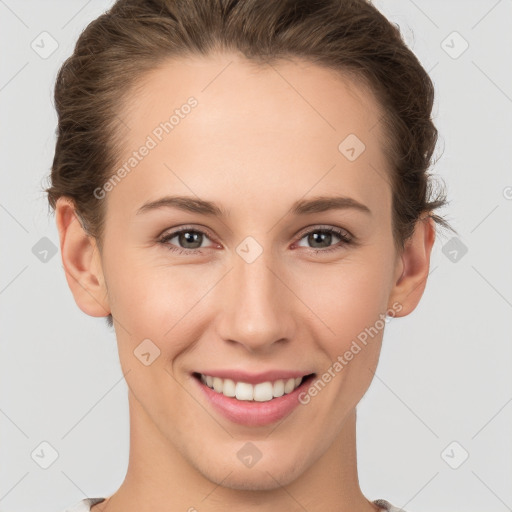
(260, 138)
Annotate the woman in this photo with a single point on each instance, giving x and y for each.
(241, 188)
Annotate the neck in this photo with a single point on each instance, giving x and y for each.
(160, 478)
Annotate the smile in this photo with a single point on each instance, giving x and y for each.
(265, 400)
(262, 392)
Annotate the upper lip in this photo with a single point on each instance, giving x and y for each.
(256, 378)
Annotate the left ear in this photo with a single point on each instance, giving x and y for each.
(413, 267)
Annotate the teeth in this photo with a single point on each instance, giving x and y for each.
(244, 391)
(229, 388)
(278, 388)
(289, 385)
(217, 384)
(262, 392)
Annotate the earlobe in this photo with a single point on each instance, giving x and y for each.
(81, 261)
(414, 266)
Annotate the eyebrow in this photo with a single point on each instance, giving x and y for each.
(302, 207)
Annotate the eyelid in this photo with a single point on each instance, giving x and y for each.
(323, 227)
(172, 232)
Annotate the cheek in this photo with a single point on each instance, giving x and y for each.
(150, 306)
(135, 298)
(346, 299)
(156, 302)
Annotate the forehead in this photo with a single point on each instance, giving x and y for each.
(291, 94)
(256, 128)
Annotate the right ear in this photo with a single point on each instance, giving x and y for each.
(81, 261)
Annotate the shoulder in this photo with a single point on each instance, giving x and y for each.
(386, 506)
(84, 505)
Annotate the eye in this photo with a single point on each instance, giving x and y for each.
(320, 239)
(188, 240)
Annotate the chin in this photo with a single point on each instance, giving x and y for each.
(265, 477)
(249, 481)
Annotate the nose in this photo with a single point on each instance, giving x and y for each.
(255, 304)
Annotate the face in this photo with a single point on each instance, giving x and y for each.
(263, 283)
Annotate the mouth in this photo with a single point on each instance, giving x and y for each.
(245, 391)
(259, 403)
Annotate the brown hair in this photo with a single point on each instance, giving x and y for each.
(134, 36)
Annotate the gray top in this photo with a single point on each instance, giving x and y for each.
(86, 504)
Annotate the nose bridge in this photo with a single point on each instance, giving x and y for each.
(255, 311)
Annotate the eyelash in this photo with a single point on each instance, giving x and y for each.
(346, 239)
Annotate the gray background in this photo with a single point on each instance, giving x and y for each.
(444, 374)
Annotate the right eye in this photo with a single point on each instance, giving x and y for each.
(185, 237)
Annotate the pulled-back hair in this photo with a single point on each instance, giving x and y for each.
(134, 36)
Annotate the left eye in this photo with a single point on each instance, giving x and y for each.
(324, 236)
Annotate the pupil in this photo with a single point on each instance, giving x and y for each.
(190, 237)
(323, 238)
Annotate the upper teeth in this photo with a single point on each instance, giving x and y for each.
(262, 392)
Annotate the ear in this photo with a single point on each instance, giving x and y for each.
(413, 267)
(81, 261)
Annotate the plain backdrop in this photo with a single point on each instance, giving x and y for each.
(434, 427)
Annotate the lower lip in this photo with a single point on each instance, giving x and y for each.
(252, 413)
